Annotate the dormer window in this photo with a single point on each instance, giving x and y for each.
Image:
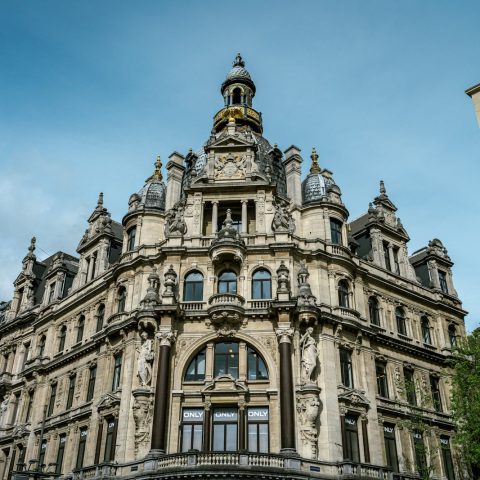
(132, 233)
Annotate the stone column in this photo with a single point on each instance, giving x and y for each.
(166, 337)
(287, 412)
(244, 216)
(214, 216)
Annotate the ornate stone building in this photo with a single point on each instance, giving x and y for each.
(234, 324)
(474, 94)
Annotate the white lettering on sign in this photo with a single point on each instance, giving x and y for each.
(258, 413)
(388, 429)
(444, 441)
(220, 415)
(350, 420)
(193, 415)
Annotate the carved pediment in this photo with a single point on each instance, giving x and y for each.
(225, 384)
(354, 398)
(108, 401)
(230, 141)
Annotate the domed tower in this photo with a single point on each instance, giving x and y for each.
(144, 222)
(323, 214)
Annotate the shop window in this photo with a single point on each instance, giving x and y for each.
(192, 429)
(257, 428)
(62, 440)
(81, 448)
(109, 454)
(351, 449)
(225, 429)
(390, 446)
(448, 469)
(420, 452)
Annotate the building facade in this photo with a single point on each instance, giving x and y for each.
(234, 324)
(474, 94)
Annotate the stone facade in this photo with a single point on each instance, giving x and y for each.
(234, 323)
(474, 94)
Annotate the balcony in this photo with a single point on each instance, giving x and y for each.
(200, 465)
(348, 313)
(226, 307)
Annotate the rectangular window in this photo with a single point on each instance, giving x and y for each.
(51, 292)
(21, 458)
(226, 359)
(346, 368)
(436, 397)
(410, 386)
(109, 441)
(131, 238)
(420, 454)
(386, 256)
(390, 446)
(448, 469)
(336, 231)
(257, 427)
(81, 447)
(71, 391)
(117, 370)
(91, 383)
(51, 401)
(16, 403)
(26, 354)
(351, 450)
(442, 278)
(192, 429)
(225, 429)
(41, 457)
(395, 260)
(62, 440)
(382, 384)
(29, 406)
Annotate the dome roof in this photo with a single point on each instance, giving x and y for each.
(315, 186)
(152, 195)
(238, 73)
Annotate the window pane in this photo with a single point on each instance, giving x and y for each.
(201, 364)
(220, 365)
(198, 436)
(252, 437)
(186, 437)
(231, 437)
(267, 290)
(263, 433)
(256, 289)
(218, 437)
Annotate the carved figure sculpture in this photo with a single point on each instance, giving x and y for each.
(305, 297)
(309, 356)
(282, 277)
(308, 409)
(174, 222)
(282, 219)
(142, 415)
(170, 282)
(152, 298)
(145, 359)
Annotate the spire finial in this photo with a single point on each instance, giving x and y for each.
(157, 173)
(315, 168)
(383, 190)
(238, 61)
(100, 200)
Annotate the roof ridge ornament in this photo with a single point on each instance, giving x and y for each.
(315, 168)
(383, 190)
(100, 200)
(31, 247)
(239, 62)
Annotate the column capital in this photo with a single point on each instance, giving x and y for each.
(166, 337)
(285, 334)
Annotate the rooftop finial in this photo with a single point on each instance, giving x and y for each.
(315, 168)
(157, 173)
(383, 190)
(31, 248)
(238, 61)
(100, 200)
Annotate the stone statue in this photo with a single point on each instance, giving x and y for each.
(282, 277)
(152, 298)
(309, 356)
(305, 297)
(282, 219)
(174, 222)
(170, 282)
(228, 231)
(145, 359)
(142, 415)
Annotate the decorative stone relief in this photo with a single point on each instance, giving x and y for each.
(152, 298)
(283, 277)
(174, 222)
(305, 297)
(145, 359)
(309, 355)
(166, 337)
(308, 408)
(282, 219)
(170, 282)
(229, 167)
(284, 334)
(143, 417)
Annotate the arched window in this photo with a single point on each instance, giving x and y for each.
(121, 298)
(227, 282)
(61, 338)
(193, 287)
(226, 359)
(400, 320)
(343, 299)
(452, 335)
(100, 316)
(261, 284)
(196, 369)
(257, 369)
(426, 330)
(132, 233)
(373, 310)
(80, 328)
(237, 96)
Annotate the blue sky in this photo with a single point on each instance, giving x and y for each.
(91, 92)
